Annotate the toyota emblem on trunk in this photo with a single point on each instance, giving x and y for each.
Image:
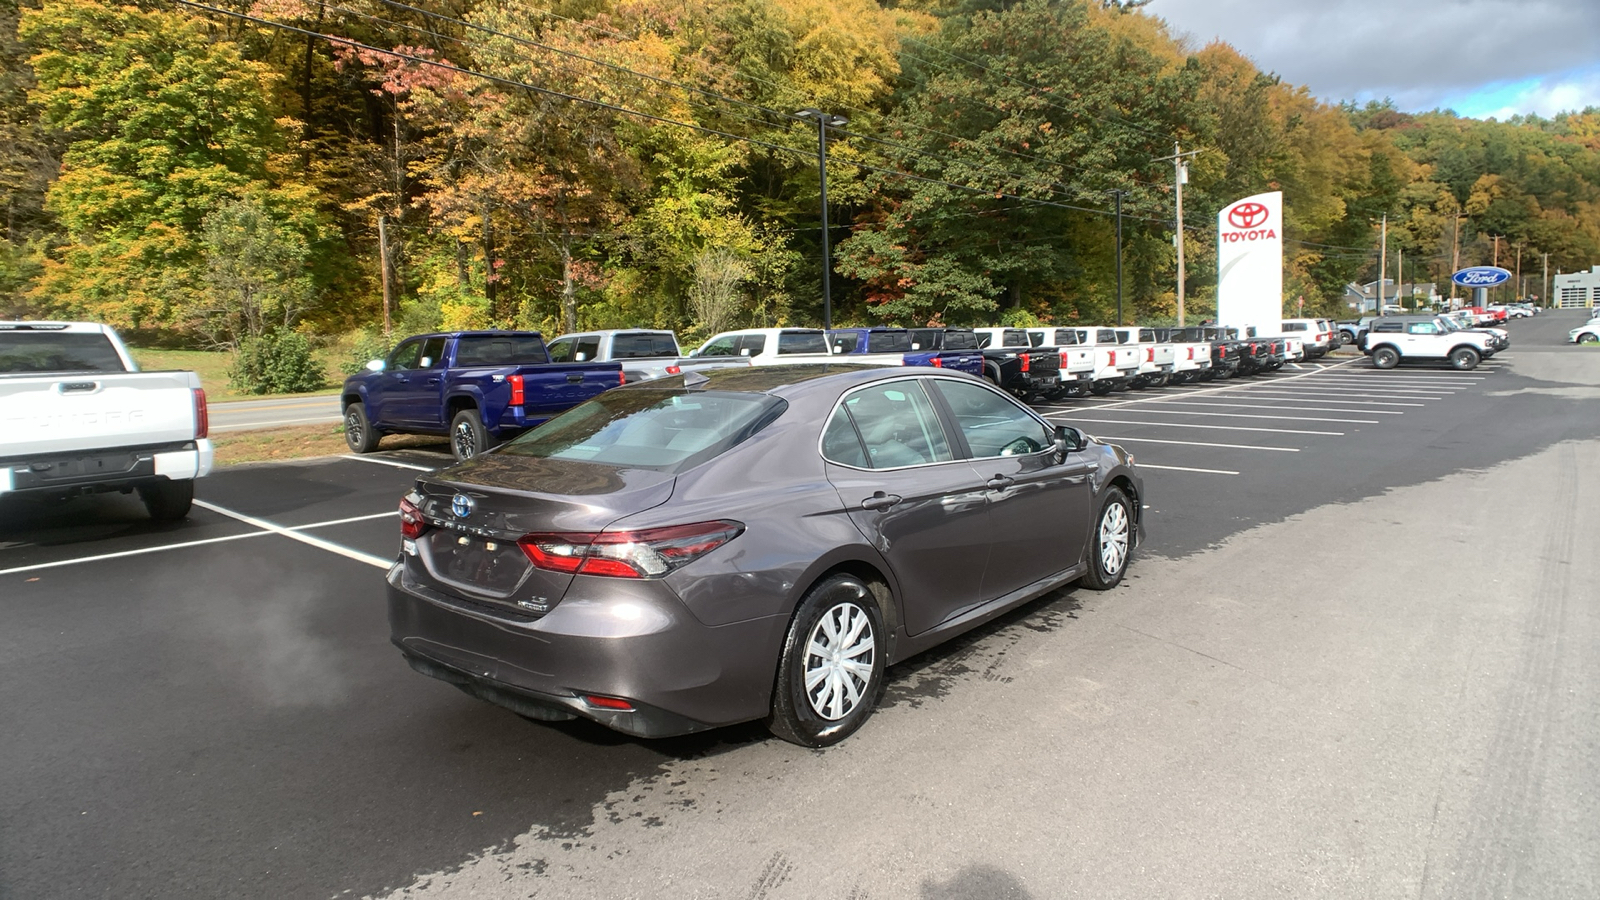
(462, 505)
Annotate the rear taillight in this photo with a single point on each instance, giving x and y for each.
(1025, 362)
(628, 554)
(1222, 352)
(938, 363)
(1191, 353)
(518, 396)
(1064, 362)
(622, 378)
(1150, 354)
(412, 524)
(202, 416)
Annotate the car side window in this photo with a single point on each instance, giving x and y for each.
(561, 349)
(1386, 327)
(432, 354)
(1065, 337)
(405, 356)
(1105, 336)
(752, 345)
(727, 345)
(897, 424)
(588, 348)
(800, 342)
(841, 444)
(993, 424)
(1422, 328)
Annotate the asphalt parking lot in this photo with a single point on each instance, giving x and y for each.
(1356, 657)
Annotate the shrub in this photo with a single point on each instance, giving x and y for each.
(366, 347)
(277, 362)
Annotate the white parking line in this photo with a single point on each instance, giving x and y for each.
(1210, 427)
(1335, 398)
(184, 544)
(1339, 395)
(1102, 437)
(1208, 390)
(1185, 412)
(1225, 404)
(386, 462)
(1187, 469)
(319, 543)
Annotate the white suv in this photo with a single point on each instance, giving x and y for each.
(1394, 338)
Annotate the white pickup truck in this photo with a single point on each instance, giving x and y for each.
(769, 346)
(1114, 366)
(1077, 362)
(78, 417)
(644, 354)
(1157, 360)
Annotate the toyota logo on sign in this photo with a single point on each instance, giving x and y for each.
(1248, 215)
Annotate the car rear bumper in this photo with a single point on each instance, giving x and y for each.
(641, 645)
(112, 469)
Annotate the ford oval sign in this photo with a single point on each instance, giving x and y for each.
(1481, 276)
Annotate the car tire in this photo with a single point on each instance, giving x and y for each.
(359, 435)
(1111, 542)
(167, 501)
(819, 699)
(1587, 339)
(1101, 388)
(468, 437)
(991, 374)
(1385, 358)
(1464, 358)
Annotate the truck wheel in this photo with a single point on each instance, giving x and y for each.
(831, 671)
(1464, 358)
(991, 373)
(358, 431)
(1111, 542)
(1101, 388)
(167, 501)
(468, 437)
(1385, 358)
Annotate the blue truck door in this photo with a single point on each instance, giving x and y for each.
(384, 401)
(413, 384)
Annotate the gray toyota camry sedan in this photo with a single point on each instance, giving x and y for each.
(746, 544)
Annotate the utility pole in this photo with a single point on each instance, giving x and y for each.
(1519, 271)
(824, 121)
(1544, 298)
(1455, 254)
(1180, 175)
(1383, 264)
(383, 262)
(1119, 194)
(1399, 274)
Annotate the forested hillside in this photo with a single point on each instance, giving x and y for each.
(200, 173)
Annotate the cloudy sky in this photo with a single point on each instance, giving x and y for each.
(1479, 57)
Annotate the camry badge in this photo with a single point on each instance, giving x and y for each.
(462, 505)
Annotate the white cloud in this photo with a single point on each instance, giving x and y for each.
(1423, 53)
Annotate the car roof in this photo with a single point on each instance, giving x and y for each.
(786, 380)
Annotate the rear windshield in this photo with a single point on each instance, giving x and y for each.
(888, 342)
(501, 350)
(960, 340)
(57, 351)
(643, 345)
(668, 431)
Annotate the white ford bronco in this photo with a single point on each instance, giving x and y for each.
(1396, 338)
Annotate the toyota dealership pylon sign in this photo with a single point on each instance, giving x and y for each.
(1250, 264)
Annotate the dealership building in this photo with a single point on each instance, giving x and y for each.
(1576, 289)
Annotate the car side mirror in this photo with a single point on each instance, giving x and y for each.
(1069, 439)
(375, 365)
(695, 352)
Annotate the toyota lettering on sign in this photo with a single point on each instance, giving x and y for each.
(1250, 264)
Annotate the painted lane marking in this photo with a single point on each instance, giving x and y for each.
(1339, 398)
(387, 462)
(185, 544)
(319, 543)
(1185, 412)
(1185, 469)
(1226, 405)
(1209, 427)
(1102, 437)
(1339, 395)
(1212, 390)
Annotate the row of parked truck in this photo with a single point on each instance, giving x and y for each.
(482, 387)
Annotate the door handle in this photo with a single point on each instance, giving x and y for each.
(999, 483)
(880, 500)
(433, 380)
(402, 379)
(574, 378)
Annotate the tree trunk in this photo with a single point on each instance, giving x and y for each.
(488, 260)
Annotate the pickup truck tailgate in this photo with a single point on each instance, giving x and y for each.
(48, 414)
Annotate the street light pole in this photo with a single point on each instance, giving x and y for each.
(1118, 194)
(824, 120)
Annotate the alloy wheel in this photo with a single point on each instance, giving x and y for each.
(466, 441)
(840, 653)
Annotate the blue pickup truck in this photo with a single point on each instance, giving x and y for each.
(478, 387)
(898, 346)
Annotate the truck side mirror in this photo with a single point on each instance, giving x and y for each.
(375, 365)
(580, 356)
(744, 351)
(695, 352)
